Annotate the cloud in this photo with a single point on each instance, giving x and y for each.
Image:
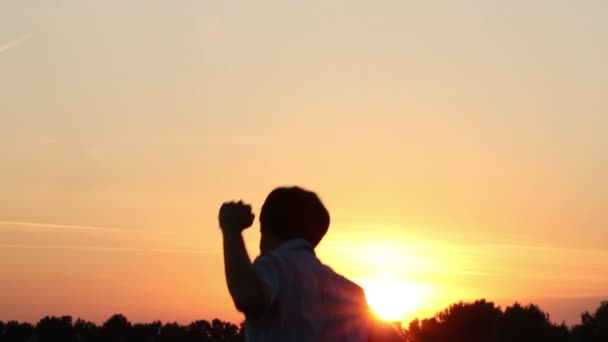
(62, 226)
(216, 140)
(15, 43)
(549, 249)
(40, 225)
(112, 249)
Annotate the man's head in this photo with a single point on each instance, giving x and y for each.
(291, 213)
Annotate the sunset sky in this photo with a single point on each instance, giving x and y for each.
(460, 146)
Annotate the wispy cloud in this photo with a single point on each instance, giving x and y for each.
(62, 226)
(14, 43)
(557, 250)
(216, 140)
(112, 249)
(100, 229)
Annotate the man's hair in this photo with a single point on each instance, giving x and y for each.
(292, 212)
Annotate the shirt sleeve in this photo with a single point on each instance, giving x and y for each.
(268, 269)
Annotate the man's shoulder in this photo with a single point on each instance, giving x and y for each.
(342, 283)
(349, 284)
(287, 252)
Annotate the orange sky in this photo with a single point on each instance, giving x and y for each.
(460, 148)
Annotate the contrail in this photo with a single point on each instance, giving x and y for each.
(64, 226)
(14, 43)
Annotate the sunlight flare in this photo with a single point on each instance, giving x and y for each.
(393, 300)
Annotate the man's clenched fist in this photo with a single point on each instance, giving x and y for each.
(235, 216)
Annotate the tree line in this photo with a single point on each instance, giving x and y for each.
(478, 321)
(483, 321)
(118, 329)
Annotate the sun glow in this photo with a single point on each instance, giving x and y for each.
(393, 300)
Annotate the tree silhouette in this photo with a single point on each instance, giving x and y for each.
(17, 332)
(117, 329)
(51, 329)
(172, 332)
(476, 321)
(530, 323)
(427, 330)
(593, 327)
(146, 332)
(484, 321)
(86, 331)
(224, 331)
(200, 331)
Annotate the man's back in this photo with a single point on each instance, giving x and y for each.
(308, 300)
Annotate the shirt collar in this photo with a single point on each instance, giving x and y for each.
(296, 244)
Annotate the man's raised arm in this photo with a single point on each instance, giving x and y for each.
(247, 290)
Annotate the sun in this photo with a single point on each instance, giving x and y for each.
(393, 300)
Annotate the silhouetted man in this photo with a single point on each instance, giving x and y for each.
(287, 294)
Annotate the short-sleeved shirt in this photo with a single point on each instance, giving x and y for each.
(308, 301)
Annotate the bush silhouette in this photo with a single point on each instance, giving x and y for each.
(593, 327)
(476, 321)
